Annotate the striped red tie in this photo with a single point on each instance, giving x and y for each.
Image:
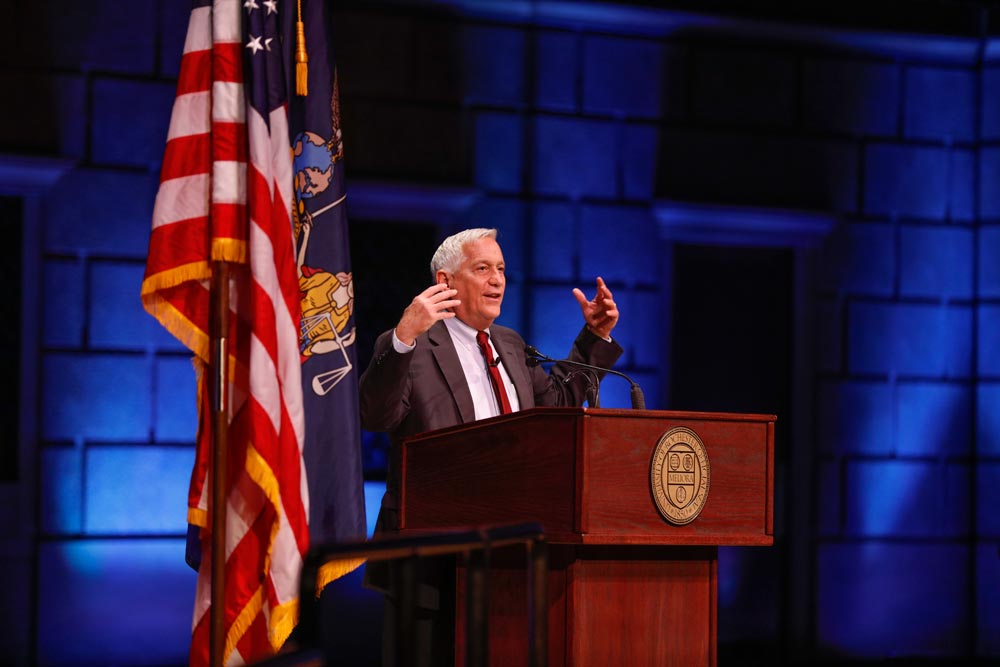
(494, 370)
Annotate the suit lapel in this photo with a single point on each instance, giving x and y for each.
(446, 357)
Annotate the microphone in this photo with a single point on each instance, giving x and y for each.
(638, 399)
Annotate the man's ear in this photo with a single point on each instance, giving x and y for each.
(441, 278)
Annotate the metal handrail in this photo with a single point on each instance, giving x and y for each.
(475, 545)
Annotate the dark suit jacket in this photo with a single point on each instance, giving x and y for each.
(424, 390)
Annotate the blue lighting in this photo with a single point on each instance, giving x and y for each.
(594, 135)
(141, 587)
(879, 599)
(373, 501)
(136, 490)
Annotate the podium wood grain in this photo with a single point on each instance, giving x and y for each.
(625, 586)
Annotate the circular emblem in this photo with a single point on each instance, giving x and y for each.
(679, 475)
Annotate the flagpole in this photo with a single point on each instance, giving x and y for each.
(219, 340)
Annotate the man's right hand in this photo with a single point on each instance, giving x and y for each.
(433, 304)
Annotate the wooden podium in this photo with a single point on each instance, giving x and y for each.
(625, 586)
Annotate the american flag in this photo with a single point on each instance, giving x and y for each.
(225, 195)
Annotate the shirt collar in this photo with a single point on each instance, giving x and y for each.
(462, 331)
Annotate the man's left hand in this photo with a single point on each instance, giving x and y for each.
(600, 313)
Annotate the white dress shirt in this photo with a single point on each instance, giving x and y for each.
(476, 374)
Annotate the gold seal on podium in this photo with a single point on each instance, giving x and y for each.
(679, 475)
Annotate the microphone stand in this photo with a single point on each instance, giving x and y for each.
(593, 383)
(638, 399)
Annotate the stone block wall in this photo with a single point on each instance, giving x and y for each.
(569, 131)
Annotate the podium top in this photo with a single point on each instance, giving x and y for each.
(613, 413)
(596, 476)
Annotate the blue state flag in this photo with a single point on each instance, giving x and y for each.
(332, 451)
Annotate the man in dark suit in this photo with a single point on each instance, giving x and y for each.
(447, 363)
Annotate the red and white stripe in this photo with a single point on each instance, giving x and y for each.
(226, 194)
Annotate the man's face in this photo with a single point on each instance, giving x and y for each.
(480, 282)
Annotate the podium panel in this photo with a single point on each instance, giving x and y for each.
(625, 584)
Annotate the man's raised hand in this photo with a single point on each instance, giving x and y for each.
(433, 304)
(601, 312)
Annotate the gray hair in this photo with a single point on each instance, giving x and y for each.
(449, 255)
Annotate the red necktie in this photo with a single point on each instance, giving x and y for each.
(494, 371)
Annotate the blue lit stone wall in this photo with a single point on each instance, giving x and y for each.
(116, 417)
(901, 562)
(569, 132)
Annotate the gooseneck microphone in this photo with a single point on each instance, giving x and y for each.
(638, 399)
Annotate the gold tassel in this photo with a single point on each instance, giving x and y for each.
(301, 59)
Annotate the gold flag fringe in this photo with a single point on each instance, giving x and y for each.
(335, 569)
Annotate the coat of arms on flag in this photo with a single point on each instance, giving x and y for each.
(327, 291)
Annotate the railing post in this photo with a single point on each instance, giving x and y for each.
(476, 606)
(405, 612)
(538, 606)
(309, 631)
